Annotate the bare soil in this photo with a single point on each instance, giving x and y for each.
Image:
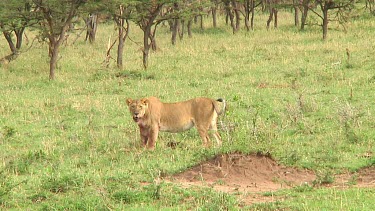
(250, 176)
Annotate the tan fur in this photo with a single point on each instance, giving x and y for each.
(153, 116)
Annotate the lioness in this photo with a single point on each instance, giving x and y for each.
(153, 116)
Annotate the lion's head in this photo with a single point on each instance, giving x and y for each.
(137, 108)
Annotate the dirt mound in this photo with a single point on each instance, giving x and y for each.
(244, 173)
(364, 178)
(250, 175)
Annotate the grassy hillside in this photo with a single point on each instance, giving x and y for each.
(71, 144)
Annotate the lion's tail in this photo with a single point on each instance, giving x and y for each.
(219, 105)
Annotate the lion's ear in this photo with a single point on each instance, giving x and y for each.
(144, 101)
(129, 101)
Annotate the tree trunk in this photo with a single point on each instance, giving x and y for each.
(8, 37)
(275, 14)
(181, 29)
(91, 25)
(54, 52)
(237, 15)
(252, 14)
(175, 23)
(146, 46)
(296, 15)
(122, 35)
(201, 22)
(19, 35)
(120, 50)
(190, 22)
(270, 17)
(120, 46)
(54, 46)
(174, 31)
(325, 23)
(230, 15)
(214, 16)
(247, 14)
(153, 44)
(305, 5)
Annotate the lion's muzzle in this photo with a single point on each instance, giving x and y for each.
(136, 117)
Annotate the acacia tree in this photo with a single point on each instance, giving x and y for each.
(146, 18)
(56, 18)
(339, 8)
(15, 16)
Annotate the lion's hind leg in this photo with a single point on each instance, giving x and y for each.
(213, 128)
(217, 137)
(203, 127)
(203, 133)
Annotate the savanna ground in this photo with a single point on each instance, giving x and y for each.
(300, 120)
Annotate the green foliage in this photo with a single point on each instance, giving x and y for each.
(15, 14)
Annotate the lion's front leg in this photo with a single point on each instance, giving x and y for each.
(144, 136)
(144, 140)
(153, 135)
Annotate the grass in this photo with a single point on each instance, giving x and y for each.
(71, 144)
(306, 198)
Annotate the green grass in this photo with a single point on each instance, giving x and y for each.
(71, 144)
(321, 199)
